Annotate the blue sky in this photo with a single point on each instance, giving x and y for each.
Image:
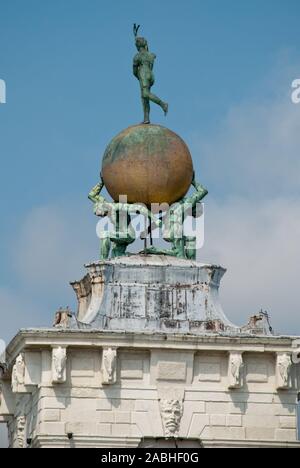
(225, 68)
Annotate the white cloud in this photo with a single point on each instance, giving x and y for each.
(49, 250)
(17, 311)
(255, 152)
(53, 244)
(254, 232)
(259, 245)
(252, 213)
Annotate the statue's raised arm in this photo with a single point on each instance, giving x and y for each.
(94, 194)
(200, 192)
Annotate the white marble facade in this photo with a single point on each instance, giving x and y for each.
(114, 389)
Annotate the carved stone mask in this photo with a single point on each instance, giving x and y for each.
(171, 412)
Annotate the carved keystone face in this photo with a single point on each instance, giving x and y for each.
(171, 412)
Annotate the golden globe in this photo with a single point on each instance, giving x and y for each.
(149, 164)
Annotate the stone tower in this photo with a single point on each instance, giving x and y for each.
(150, 360)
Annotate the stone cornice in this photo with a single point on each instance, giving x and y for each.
(101, 442)
(43, 338)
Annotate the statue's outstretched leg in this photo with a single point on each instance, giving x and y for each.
(146, 94)
(157, 251)
(120, 241)
(190, 247)
(178, 246)
(146, 107)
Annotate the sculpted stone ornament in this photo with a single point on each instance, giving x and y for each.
(109, 365)
(59, 362)
(62, 318)
(21, 423)
(171, 414)
(296, 356)
(18, 373)
(143, 64)
(296, 352)
(235, 376)
(123, 234)
(283, 367)
(259, 324)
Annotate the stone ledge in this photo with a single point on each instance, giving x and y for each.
(48, 338)
(248, 444)
(44, 441)
(114, 442)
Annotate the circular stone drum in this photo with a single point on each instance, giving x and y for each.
(149, 164)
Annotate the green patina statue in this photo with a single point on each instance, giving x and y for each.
(143, 63)
(123, 234)
(117, 234)
(183, 246)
